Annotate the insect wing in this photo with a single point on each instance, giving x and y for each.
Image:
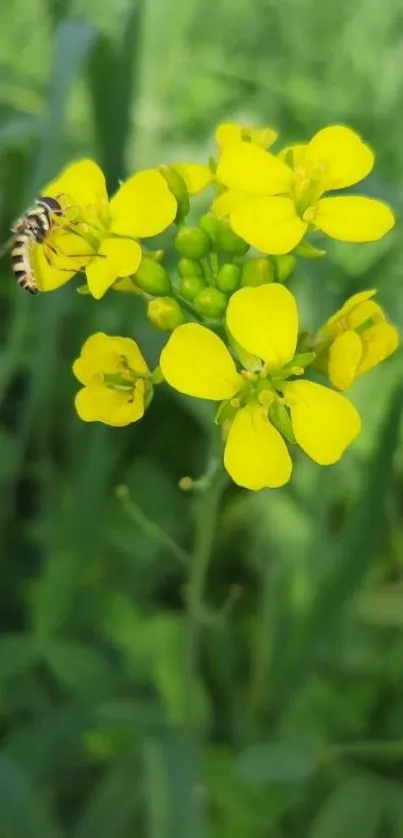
(7, 246)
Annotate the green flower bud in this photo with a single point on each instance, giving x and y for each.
(228, 278)
(178, 188)
(284, 266)
(257, 272)
(210, 302)
(189, 267)
(152, 278)
(189, 286)
(208, 222)
(165, 313)
(192, 242)
(228, 241)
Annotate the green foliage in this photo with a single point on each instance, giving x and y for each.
(220, 665)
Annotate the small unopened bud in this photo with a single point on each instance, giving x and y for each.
(284, 266)
(186, 484)
(192, 242)
(190, 286)
(228, 241)
(189, 267)
(153, 278)
(122, 491)
(257, 272)
(208, 222)
(228, 278)
(165, 313)
(210, 302)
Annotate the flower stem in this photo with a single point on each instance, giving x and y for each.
(207, 511)
(150, 528)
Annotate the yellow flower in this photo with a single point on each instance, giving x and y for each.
(103, 232)
(115, 377)
(197, 176)
(263, 322)
(355, 339)
(273, 201)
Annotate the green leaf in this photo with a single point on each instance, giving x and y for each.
(73, 42)
(23, 812)
(112, 808)
(112, 86)
(79, 667)
(354, 809)
(277, 762)
(18, 653)
(54, 593)
(349, 558)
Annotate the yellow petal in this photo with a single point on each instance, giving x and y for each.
(256, 455)
(53, 269)
(195, 175)
(116, 257)
(143, 206)
(228, 201)
(228, 134)
(354, 219)
(269, 224)
(332, 326)
(83, 182)
(196, 362)
(264, 321)
(250, 169)
(98, 403)
(264, 137)
(340, 155)
(324, 422)
(378, 342)
(344, 357)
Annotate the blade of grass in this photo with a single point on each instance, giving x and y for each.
(351, 557)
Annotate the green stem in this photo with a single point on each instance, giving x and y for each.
(207, 512)
(151, 529)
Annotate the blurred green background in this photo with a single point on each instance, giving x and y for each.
(178, 666)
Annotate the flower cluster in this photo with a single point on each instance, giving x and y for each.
(235, 334)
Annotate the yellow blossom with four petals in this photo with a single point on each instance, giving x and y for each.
(103, 232)
(264, 322)
(273, 201)
(356, 339)
(115, 377)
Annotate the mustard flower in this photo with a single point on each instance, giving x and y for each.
(355, 339)
(197, 176)
(263, 323)
(103, 233)
(115, 377)
(273, 201)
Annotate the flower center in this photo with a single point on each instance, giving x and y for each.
(308, 187)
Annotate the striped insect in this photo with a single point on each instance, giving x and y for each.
(33, 228)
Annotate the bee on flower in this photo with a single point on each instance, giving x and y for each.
(142, 207)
